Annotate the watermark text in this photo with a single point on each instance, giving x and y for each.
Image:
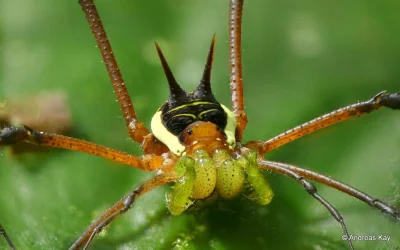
(379, 237)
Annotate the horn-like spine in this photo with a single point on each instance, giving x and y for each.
(204, 88)
(176, 92)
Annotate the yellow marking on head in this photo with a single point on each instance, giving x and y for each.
(230, 128)
(166, 137)
(189, 104)
(172, 141)
(205, 112)
(190, 115)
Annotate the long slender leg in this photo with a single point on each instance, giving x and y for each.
(380, 100)
(10, 135)
(311, 189)
(235, 49)
(136, 129)
(5, 235)
(325, 180)
(119, 208)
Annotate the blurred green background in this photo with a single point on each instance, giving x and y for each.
(301, 59)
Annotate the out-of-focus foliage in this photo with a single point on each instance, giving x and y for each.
(301, 59)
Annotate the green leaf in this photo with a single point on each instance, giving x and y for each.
(301, 59)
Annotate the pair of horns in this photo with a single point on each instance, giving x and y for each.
(203, 90)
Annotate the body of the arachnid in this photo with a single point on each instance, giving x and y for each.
(302, 72)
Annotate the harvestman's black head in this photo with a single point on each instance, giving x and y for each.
(183, 108)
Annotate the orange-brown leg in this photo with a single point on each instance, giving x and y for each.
(235, 50)
(136, 129)
(5, 235)
(10, 135)
(310, 188)
(325, 180)
(380, 100)
(119, 208)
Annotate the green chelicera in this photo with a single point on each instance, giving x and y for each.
(201, 175)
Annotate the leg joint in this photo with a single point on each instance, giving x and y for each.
(310, 188)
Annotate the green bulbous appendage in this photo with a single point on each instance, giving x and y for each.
(230, 175)
(206, 175)
(230, 179)
(178, 199)
(259, 189)
(203, 178)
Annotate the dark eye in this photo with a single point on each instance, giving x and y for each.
(178, 123)
(218, 117)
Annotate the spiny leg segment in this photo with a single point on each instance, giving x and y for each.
(5, 235)
(328, 181)
(235, 50)
(311, 189)
(119, 208)
(136, 129)
(10, 135)
(379, 101)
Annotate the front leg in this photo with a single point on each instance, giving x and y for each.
(136, 129)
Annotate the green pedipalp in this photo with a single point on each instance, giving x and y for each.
(206, 175)
(259, 189)
(178, 199)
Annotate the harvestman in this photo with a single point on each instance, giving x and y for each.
(196, 141)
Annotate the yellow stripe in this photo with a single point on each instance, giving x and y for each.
(190, 104)
(205, 111)
(190, 115)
